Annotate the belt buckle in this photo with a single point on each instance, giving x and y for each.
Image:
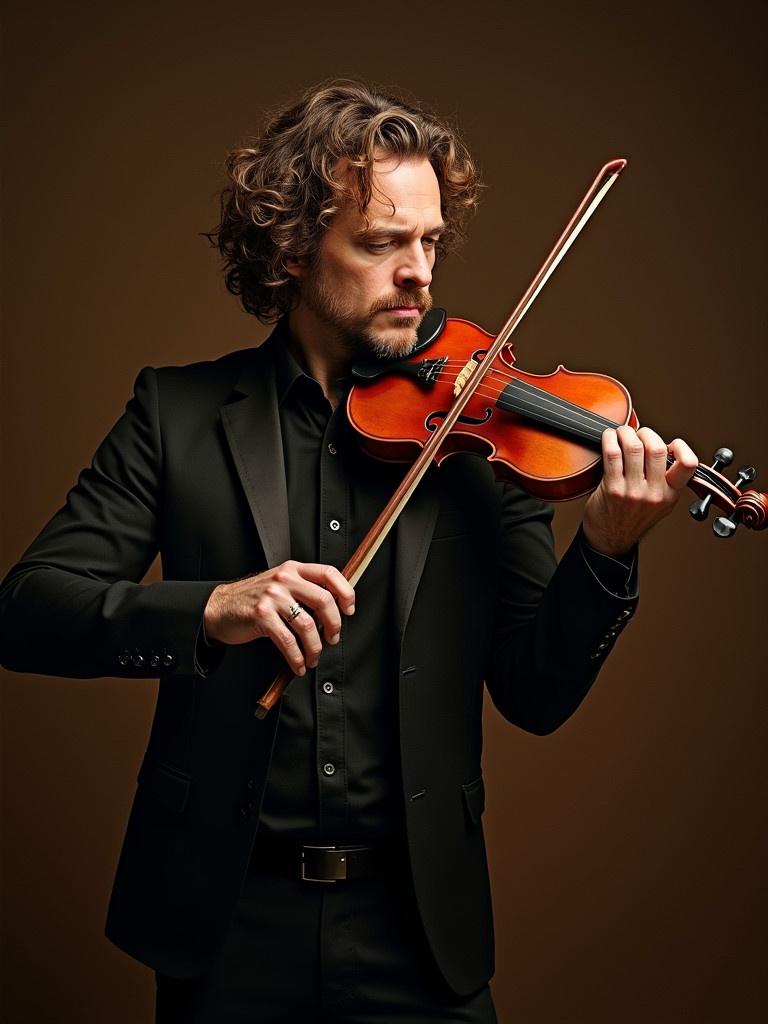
(338, 864)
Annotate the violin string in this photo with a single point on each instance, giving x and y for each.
(546, 396)
(540, 392)
(557, 410)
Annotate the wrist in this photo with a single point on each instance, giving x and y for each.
(211, 613)
(614, 546)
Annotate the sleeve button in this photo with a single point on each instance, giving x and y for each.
(154, 661)
(167, 660)
(123, 657)
(138, 660)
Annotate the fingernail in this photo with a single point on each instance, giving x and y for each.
(302, 671)
(335, 638)
(351, 610)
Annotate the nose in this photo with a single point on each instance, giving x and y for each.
(414, 270)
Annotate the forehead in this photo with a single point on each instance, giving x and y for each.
(405, 194)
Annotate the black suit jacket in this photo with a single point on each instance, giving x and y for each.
(194, 469)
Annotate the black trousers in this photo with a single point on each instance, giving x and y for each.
(350, 952)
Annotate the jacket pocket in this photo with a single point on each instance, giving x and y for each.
(166, 783)
(474, 799)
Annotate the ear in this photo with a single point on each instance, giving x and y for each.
(295, 267)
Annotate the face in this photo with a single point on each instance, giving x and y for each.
(370, 284)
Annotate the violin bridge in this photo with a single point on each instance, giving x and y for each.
(464, 376)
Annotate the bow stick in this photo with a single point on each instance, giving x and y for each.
(375, 537)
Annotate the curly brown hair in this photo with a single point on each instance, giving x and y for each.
(284, 191)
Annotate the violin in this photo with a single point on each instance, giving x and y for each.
(543, 431)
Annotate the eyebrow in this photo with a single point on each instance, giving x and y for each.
(385, 232)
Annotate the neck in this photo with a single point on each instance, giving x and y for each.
(319, 350)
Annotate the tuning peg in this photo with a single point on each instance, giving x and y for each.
(725, 526)
(745, 476)
(700, 508)
(722, 457)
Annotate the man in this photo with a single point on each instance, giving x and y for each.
(332, 866)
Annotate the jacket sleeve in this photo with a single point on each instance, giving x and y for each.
(73, 604)
(554, 623)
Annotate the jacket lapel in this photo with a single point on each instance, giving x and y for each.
(414, 530)
(252, 428)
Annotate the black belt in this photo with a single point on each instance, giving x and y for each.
(315, 863)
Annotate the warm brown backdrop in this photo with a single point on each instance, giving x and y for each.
(628, 849)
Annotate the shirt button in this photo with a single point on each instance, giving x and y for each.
(327, 687)
(329, 769)
(335, 525)
(332, 449)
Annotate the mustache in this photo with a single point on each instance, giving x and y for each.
(420, 300)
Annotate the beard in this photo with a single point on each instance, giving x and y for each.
(356, 331)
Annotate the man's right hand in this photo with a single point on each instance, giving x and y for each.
(261, 605)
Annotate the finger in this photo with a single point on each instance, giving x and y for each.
(682, 469)
(284, 639)
(323, 606)
(655, 458)
(613, 460)
(328, 576)
(306, 629)
(633, 453)
(278, 597)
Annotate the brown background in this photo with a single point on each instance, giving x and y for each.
(628, 848)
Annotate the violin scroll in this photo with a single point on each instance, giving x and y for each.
(748, 507)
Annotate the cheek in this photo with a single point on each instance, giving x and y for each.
(362, 287)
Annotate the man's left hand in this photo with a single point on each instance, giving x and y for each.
(637, 488)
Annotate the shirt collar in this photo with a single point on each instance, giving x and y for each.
(288, 370)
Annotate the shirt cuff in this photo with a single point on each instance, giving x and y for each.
(208, 653)
(616, 575)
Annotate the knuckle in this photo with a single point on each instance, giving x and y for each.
(273, 589)
(262, 607)
(281, 575)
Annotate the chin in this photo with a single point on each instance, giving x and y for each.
(395, 344)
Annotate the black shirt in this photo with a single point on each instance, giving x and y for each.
(335, 769)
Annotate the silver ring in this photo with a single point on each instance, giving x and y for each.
(293, 611)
